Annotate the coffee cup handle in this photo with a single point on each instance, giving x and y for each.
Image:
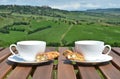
(108, 49)
(12, 45)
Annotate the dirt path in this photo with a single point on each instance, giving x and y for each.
(64, 34)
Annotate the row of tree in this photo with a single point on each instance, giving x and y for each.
(38, 29)
(11, 27)
(36, 10)
(114, 23)
(7, 28)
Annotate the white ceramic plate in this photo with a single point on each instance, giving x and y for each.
(101, 59)
(17, 59)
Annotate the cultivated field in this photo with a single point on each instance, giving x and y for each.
(62, 30)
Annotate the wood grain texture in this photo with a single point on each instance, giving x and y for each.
(44, 71)
(5, 68)
(20, 72)
(116, 50)
(110, 72)
(88, 72)
(5, 53)
(116, 57)
(65, 68)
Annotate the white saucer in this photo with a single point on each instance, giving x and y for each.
(17, 59)
(101, 59)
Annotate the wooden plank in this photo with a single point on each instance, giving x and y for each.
(44, 71)
(109, 71)
(116, 50)
(65, 69)
(5, 68)
(116, 59)
(4, 54)
(20, 72)
(1, 48)
(88, 72)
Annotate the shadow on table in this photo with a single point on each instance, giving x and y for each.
(84, 64)
(30, 64)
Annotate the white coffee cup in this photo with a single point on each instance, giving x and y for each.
(91, 49)
(28, 49)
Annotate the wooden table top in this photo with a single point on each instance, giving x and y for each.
(63, 69)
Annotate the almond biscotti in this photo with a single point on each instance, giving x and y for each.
(73, 55)
(47, 56)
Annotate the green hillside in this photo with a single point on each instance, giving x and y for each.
(58, 27)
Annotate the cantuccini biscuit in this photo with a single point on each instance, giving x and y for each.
(73, 55)
(47, 56)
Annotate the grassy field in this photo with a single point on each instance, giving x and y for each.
(57, 31)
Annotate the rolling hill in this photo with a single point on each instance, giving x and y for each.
(58, 27)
